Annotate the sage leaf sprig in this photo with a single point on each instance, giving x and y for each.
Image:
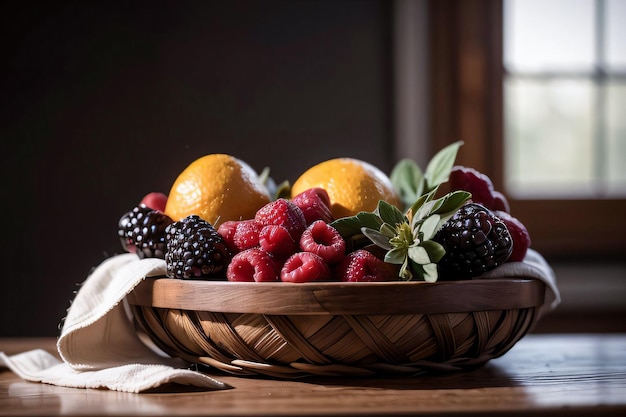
(407, 237)
(411, 183)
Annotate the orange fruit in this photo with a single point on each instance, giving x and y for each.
(218, 188)
(352, 185)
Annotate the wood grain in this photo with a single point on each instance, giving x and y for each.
(543, 375)
(336, 298)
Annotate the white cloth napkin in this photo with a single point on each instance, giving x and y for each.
(533, 266)
(98, 344)
(100, 348)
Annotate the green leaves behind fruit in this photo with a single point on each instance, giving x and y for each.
(407, 238)
(408, 180)
(411, 183)
(276, 191)
(350, 228)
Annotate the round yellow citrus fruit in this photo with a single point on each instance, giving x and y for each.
(218, 188)
(352, 185)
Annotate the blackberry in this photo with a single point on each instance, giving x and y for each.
(142, 230)
(195, 249)
(475, 241)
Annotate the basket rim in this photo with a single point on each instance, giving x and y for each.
(339, 298)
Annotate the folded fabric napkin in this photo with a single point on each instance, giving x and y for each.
(98, 344)
(100, 348)
(533, 266)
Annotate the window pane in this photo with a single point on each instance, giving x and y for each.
(548, 35)
(615, 34)
(616, 134)
(548, 146)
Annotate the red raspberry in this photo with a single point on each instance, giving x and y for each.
(277, 241)
(305, 267)
(227, 231)
(519, 234)
(323, 240)
(481, 187)
(240, 234)
(363, 266)
(500, 202)
(282, 212)
(315, 205)
(252, 265)
(155, 200)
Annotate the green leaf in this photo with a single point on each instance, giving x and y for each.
(438, 169)
(283, 190)
(434, 249)
(424, 211)
(405, 270)
(423, 199)
(387, 230)
(396, 256)
(445, 206)
(264, 175)
(416, 269)
(430, 272)
(408, 180)
(419, 255)
(376, 237)
(451, 202)
(430, 226)
(351, 226)
(389, 213)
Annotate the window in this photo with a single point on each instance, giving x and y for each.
(518, 116)
(564, 92)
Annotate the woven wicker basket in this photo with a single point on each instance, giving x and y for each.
(356, 329)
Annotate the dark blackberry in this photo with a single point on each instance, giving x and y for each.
(142, 230)
(475, 241)
(195, 250)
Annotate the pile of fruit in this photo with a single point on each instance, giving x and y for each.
(341, 220)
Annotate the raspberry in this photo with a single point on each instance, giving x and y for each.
(362, 266)
(252, 265)
(500, 202)
(227, 230)
(480, 186)
(475, 241)
(305, 267)
(195, 249)
(142, 230)
(315, 205)
(519, 234)
(155, 200)
(323, 240)
(277, 241)
(282, 212)
(240, 234)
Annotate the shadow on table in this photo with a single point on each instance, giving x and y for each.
(486, 376)
(489, 375)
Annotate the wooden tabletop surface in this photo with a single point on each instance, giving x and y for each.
(541, 375)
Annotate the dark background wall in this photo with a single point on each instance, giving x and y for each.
(103, 102)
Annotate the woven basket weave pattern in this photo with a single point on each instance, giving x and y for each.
(323, 344)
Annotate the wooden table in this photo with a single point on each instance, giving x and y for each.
(541, 375)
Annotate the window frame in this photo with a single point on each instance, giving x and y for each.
(466, 103)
